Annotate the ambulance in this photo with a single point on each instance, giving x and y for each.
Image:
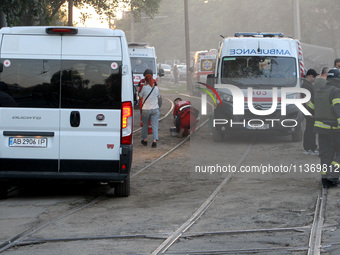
(66, 106)
(203, 64)
(143, 57)
(251, 72)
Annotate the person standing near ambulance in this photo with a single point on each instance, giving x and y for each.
(175, 73)
(150, 109)
(326, 106)
(309, 137)
(142, 81)
(322, 79)
(337, 63)
(139, 89)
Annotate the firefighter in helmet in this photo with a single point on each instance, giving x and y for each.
(326, 107)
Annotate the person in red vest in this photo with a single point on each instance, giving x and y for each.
(139, 88)
(185, 117)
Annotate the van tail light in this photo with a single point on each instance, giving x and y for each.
(61, 30)
(127, 123)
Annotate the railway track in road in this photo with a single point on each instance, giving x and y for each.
(168, 241)
(314, 230)
(197, 214)
(16, 240)
(314, 246)
(21, 239)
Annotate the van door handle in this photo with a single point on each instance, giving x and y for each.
(75, 119)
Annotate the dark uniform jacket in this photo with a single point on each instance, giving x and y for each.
(309, 86)
(329, 105)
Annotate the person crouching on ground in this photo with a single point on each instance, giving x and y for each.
(185, 117)
(150, 110)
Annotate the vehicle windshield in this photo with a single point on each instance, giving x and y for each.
(259, 71)
(139, 65)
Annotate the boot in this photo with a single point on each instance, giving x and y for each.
(329, 183)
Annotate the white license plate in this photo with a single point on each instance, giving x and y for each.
(27, 142)
(258, 127)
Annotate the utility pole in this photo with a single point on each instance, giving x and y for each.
(70, 13)
(132, 24)
(297, 25)
(132, 27)
(187, 41)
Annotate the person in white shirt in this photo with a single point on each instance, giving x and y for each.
(150, 110)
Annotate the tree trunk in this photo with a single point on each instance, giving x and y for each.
(2, 19)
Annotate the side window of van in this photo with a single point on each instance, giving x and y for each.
(28, 83)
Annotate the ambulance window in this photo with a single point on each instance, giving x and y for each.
(91, 84)
(29, 83)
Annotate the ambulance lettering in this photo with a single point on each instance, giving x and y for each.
(281, 52)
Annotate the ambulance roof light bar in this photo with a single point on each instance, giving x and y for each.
(259, 35)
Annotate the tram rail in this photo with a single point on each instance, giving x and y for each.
(20, 239)
(315, 229)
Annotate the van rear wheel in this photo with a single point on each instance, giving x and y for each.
(122, 189)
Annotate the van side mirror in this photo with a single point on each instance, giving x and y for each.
(211, 80)
(1, 67)
(161, 72)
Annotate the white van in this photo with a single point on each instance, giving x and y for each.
(66, 105)
(143, 57)
(258, 62)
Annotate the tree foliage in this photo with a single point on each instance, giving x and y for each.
(45, 12)
(149, 7)
(25, 12)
